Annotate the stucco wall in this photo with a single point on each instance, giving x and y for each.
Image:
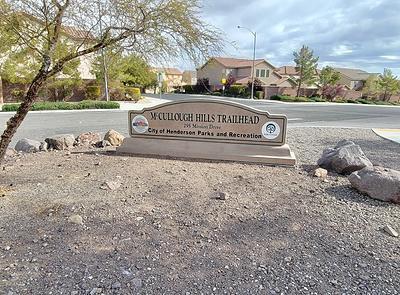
(213, 70)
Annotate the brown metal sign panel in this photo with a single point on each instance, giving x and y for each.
(208, 120)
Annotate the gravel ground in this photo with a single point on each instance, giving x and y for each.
(163, 231)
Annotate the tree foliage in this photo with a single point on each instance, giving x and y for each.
(307, 67)
(329, 76)
(130, 70)
(371, 87)
(388, 84)
(155, 29)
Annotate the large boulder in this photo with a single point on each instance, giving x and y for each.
(88, 138)
(114, 138)
(61, 141)
(27, 146)
(378, 183)
(345, 158)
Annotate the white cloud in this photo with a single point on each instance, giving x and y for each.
(391, 57)
(341, 50)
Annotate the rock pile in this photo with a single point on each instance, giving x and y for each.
(345, 158)
(68, 141)
(377, 182)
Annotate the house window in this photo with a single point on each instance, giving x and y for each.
(263, 73)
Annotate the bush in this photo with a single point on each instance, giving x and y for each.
(365, 101)
(46, 105)
(189, 89)
(237, 91)
(216, 93)
(92, 92)
(317, 99)
(259, 95)
(132, 93)
(17, 94)
(117, 94)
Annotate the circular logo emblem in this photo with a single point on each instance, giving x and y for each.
(271, 130)
(140, 124)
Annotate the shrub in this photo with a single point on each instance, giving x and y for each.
(330, 92)
(92, 92)
(364, 101)
(132, 93)
(46, 105)
(275, 97)
(237, 91)
(216, 93)
(259, 95)
(189, 89)
(117, 94)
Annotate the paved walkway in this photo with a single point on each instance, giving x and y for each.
(390, 134)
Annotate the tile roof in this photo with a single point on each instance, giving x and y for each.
(291, 71)
(229, 62)
(354, 74)
(77, 34)
(169, 71)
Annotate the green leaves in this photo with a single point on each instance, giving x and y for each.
(329, 76)
(307, 66)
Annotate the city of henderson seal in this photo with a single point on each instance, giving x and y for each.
(271, 130)
(140, 124)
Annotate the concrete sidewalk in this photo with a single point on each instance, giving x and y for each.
(143, 103)
(389, 134)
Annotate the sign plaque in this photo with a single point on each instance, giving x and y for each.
(209, 129)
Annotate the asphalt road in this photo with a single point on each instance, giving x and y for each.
(39, 125)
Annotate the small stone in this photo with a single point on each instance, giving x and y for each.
(74, 292)
(61, 141)
(111, 185)
(288, 259)
(391, 231)
(363, 265)
(27, 146)
(140, 218)
(222, 196)
(96, 291)
(320, 173)
(116, 285)
(114, 138)
(44, 146)
(7, 248)
(103, 144)
(137, 283)
(88, 138)
(77, 219)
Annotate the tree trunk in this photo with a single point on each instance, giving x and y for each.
(298, 89)
(1, 91)
(16, 120)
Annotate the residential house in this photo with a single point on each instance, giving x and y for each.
(353, 79)
(189, 77)
(172, 78)
(293, 73)
(218, 68)
(70, 34)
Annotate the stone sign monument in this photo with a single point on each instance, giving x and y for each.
(209, 129)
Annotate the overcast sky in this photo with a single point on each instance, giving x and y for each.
(362, 34)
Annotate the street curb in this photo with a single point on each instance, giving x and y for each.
(392, 135)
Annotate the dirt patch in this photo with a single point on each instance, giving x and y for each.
(164, 231)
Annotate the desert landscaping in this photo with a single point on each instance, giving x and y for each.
(87, 221)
